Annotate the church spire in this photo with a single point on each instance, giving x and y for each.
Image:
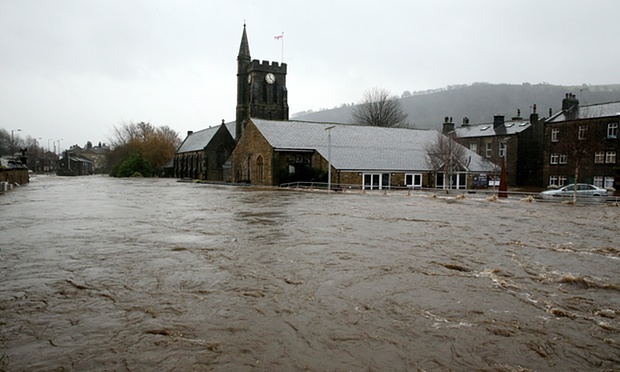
(244, 48)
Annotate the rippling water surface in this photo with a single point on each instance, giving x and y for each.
(146, 274)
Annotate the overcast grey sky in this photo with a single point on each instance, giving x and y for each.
(73, 69)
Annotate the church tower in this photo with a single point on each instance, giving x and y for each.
(261, 88)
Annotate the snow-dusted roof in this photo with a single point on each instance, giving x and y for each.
(200, 139)
(601, 110)
(357, 148)
(486, 130)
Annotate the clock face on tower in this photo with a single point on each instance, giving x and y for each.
(270, 78)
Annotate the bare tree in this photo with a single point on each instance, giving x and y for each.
(156, 144)
(380, 109)
(578, 141)
(445, 154)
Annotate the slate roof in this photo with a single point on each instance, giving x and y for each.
(360, 148)
(200, 139)
(510, 127)
(600, 110)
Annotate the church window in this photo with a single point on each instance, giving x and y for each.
(259, 168)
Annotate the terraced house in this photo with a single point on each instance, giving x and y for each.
(582, 141)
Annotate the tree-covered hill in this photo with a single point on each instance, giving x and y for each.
(479, 102)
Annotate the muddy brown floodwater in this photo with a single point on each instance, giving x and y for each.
(111, 274)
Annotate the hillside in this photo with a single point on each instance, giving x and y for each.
(479, 102)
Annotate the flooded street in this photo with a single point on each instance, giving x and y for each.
(111, 274)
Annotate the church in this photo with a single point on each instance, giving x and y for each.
(264, 147)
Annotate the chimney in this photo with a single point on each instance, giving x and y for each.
(465, 121)
(190, 132)
(498, 121)
(448, 126)
(518, 117)
(534, 116)
(569, 101)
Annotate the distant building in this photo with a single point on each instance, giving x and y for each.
(74, 164)
(597, 124)
(97, 155)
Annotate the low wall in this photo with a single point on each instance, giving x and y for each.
(13, 176)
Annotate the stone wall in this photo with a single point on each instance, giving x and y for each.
(12, 176)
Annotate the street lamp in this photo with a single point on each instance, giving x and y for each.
(13, 142)
(329, 156)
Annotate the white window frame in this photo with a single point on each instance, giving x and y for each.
(554, 158)
(413, 180)
(612, 130)
(502, 149)
(554, 134)
(563, 159)
(562, 180)
(599, 157)
(461, 181)
(473, 147)
(553, 180)
(609, 182)
(610, 157)
(489, 149)
(597, 181)
(372, 185)
(583, 131)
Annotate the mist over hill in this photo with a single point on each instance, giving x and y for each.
(479, 102)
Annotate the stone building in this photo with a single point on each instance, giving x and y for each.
(261, 93)
(265, 148)
(517, 141)
(273, 152)
(588, 134)
(203, 153)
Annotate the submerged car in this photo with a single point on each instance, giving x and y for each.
(583, 190)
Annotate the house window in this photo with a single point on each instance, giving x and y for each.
(554, 158)
(502, 149)
(473, 147)
(561, 181)
(598, 181)
(563, 158)
(553, 180)
(599, 157)
(609, 182)
(612, 130)
(489, 150)
(413, 180)
(376, 181)
(610, 157)
(554, 134)
(582, 132)
(259, 168)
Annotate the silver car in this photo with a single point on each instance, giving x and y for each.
(583, 190)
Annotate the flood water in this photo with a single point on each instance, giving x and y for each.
(111, 274)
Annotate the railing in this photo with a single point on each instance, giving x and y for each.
(489, 193)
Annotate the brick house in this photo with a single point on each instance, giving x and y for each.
(517, 141)
(593, 126)
(271, 152)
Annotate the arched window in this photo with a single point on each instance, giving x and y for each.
(259, 168)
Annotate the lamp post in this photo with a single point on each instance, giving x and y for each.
(329, 156)
(13, 142)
